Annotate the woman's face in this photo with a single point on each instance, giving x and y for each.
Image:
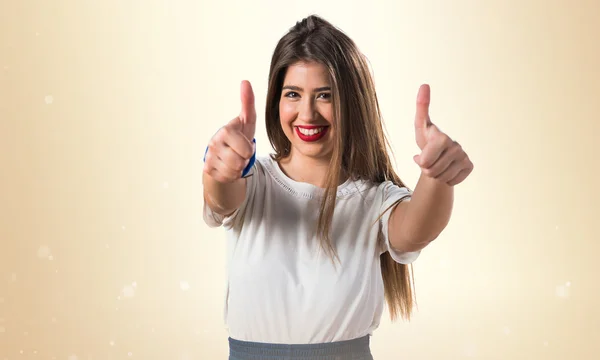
(306, 110)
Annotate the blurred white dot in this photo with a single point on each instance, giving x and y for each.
(72, 357)
(106, 246)
(562, 291)
(21, 351)
(556, 227)
(56, 271)
(545, 343)
(2, 329)
(6, 68)
(152, 329)
(49, 99)
(13, 277)
(506, 330)
(129, 354)
(112, 343)
(35, 351)
(166, 185)
(53, 319)
(568, 283)
(50, 257)
(25, 333)
(185, 286)
(118, 298)
(43, 252)
(134, 284)
(123, 227)
(128, 291)
(37, 33)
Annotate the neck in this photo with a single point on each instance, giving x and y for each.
(306, 169)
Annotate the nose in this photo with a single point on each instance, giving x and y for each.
(307, 110)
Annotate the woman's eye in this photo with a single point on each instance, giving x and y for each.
(291, 94)
(325, 96)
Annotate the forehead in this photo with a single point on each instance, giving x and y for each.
(306, 74)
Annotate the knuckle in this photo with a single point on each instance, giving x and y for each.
(210, 157)
(224, 132)
(241, 166)
(445, 140)
(212, 142)
(237, 165)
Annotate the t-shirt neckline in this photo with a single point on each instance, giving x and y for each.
(307, 190)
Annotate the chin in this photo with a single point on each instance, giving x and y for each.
(314, 151)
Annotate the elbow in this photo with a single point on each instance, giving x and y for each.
(412, 242)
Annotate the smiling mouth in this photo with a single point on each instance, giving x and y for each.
(311, 133)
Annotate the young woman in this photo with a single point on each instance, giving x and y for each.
(321, 231)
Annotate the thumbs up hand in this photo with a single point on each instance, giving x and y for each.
(441, 157)
(231, 148)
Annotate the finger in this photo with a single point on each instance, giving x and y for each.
(237, 141)
(233, 160)
(467, 169)
(452, 156)
(440, 166)
(219, 170)
(460, 177)
(211, 168)
(450, 172)
(422, 120)
(248, 113)
(435, 147)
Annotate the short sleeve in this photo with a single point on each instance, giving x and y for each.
(392, 195)
(213, 220)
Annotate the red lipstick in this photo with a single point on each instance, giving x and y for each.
(310, 135)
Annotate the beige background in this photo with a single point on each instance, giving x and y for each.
(105, 110)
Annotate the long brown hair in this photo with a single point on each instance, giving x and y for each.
(357, 114)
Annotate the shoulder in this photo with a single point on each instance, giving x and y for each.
(384, 190)
(390, 189)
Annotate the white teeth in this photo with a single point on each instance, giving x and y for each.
(310, 132)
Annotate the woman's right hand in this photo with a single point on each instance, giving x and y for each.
(230, 149)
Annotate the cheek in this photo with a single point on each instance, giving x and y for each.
(286, 113)
(327, 113)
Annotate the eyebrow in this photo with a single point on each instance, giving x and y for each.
(297, 88)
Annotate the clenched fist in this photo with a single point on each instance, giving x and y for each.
(231, 148)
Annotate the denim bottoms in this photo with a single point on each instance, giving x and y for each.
(357, 349)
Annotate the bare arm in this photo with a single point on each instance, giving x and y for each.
(414, 224)
(223, 198)
(444, 164)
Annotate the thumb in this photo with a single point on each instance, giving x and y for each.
(248, 113)
(422, 119)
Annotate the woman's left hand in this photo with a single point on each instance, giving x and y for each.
(441, 157)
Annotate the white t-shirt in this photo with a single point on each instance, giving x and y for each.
(282, 288)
